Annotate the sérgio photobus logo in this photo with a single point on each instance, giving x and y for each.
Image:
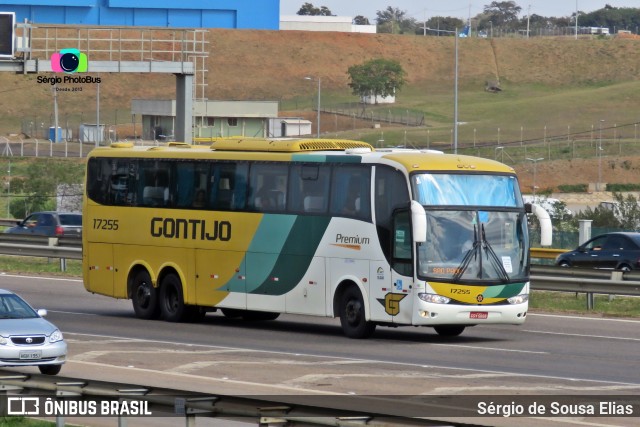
(69, 62)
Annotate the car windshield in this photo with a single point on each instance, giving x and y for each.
(71, 219)
(14, 307)
(474, 246)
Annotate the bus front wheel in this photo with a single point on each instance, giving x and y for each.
(144, 296)
(172, 305)
(352, 315)
(449, 330)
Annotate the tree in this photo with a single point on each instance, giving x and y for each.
(309, 9)
(502, 14)
(393, 20)
(445, 23)
(377, 77)
(361, 20)
(38, 186)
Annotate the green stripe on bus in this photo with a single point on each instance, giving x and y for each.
(503, 291)
(296, 255)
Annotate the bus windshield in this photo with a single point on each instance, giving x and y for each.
(483, 240)
(447, 189)
(474, 246)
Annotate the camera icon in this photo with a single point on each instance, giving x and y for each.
(69, 61)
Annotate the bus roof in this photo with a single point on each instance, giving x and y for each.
(316, 150)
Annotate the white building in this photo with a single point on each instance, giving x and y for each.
(282, 127)
(323, 23)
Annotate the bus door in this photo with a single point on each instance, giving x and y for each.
(399, 303)
(100, 268)
(220, 279)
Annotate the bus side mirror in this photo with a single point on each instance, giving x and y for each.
(418, 222)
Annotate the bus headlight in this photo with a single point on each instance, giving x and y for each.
(518, 299)
(434, 298)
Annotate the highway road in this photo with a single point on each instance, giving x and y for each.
(548, 355)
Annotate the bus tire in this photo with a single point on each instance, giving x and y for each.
(195, 314)
(449, 330)
(352, 315)
(172, 307)
(144, 296)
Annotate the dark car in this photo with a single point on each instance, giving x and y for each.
(620, 251)
(49, 223)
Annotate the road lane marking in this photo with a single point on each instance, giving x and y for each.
(582, 335)
(48, 278)
(562, 316)
(474, 370)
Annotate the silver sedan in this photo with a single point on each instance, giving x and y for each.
(26, 339)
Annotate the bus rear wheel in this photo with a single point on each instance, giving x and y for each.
(352, 315)
(144, 296)
(172, 305)
(449, 330)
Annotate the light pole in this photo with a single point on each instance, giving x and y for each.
(600, 157)
(319, 90)
(455, 88)
(535, 171)
(9, 191)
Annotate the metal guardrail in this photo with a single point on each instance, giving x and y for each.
(563, 279)
(546, 253)
(292, 410)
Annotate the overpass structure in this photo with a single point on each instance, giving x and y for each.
(182, 52)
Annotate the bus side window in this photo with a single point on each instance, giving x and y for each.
(228, 185)
(351, 188)
(268, 186)
(309, 188)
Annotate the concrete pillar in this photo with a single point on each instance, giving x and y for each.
(584, 230)
(184, 107)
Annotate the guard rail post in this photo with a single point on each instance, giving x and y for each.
(53, 241)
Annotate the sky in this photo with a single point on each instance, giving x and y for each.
(425, 9)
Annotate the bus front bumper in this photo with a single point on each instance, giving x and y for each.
(433, 314)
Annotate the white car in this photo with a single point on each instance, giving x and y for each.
(26, 339)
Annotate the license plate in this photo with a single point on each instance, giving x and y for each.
(478, 315)
(30, 355)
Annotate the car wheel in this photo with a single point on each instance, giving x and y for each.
(352, 315)
(144, 297)
(172, 307)
(564, 264)
(449, 330)
(50, 369)
(624, 267)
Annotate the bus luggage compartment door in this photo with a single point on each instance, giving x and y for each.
(100, 269)
(220, 279)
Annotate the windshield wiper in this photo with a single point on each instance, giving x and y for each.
(467, 257)
(493, 257)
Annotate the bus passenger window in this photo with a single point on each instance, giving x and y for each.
(268, 185)
(309, 188)
(350, 197)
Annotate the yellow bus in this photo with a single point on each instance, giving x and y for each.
(255, 228)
